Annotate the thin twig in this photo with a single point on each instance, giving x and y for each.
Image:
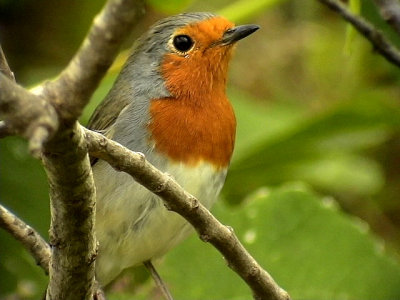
(33, 242)
(390, 12)
(29, 238)
(158, 280)
(4, 67)
(180, 201)
(377, 39)
(73, 88)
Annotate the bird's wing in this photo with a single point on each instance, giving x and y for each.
(104, 117)
(106, 113)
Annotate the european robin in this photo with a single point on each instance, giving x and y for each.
(169, 103)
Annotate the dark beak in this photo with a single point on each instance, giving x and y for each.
(237, 33)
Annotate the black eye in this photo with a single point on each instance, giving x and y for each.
(182, 43)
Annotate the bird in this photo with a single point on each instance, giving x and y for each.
(168, 102)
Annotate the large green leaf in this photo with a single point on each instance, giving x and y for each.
(312, 249)
(326, 149)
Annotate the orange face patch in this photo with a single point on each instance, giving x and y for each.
(203, 69)
(197, 123)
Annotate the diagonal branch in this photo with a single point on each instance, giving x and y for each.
(390, 12)
(33, 242)
(30, 239)
(377, 39)
(178, 200)
(66, 162)
(71, 91)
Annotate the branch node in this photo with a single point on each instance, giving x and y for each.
(39, 136)
(103, 142)
(230, 228)
(205, 237)
(93, 257)
(160, 187)
(167, 206)
(254, 271)
(194, 203)
(142, 157)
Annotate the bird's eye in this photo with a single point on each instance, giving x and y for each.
(182, 43)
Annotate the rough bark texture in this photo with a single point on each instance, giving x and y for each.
(26, 114)
(30, 239)
(72, 202)
(48, 119)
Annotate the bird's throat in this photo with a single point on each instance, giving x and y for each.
(191, 133)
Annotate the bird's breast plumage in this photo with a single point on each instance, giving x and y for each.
(190, 132)
(133, 225)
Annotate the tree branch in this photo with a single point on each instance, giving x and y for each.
(178, 200)
(26, 114)
(380, 43)
(48, 120)
(30, 239)
(65, 158)
(390, 12)
(72, 203)
(71, 91)
(4, 67)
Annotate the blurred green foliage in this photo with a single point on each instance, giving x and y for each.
(308, 112)
(310, 247)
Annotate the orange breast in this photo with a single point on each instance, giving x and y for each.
(192, 133)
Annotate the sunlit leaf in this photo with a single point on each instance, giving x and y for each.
(310, 247)
(355, 7)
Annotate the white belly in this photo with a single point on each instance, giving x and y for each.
(132, 224)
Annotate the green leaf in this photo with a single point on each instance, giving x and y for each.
(311, 248)
(24, 191)
(355, 8)
(170, 7)
(276, 145)
(243, 10)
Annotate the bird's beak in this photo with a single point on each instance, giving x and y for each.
(237, 33)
